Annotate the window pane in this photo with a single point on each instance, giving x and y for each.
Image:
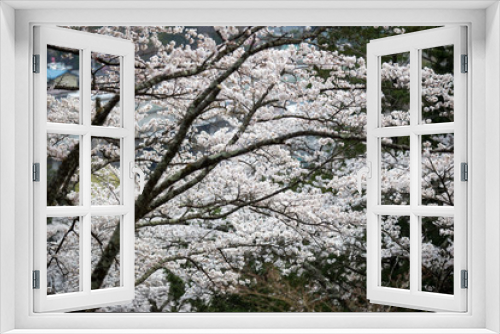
(63, 255)
(395, 171)
(437, 85)
(106, 174)
(105, 235)
(438, 169)
(105, 104)
(395, 86)
(63, 85)
(437, 254)
(395, 251)
(63, 170)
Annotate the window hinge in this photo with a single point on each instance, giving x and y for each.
(36, 63)
(36, 172)
(464, 171)
(464, 279)
(36, 279)
(465, 63)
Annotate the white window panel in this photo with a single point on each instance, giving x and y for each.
(78, 74)
(413, 294)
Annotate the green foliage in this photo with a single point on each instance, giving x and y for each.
(177, 289)
(352, 41)
(175, 292)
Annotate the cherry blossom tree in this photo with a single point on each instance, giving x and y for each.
(250, 138)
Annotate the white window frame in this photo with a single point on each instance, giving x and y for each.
(483, 20)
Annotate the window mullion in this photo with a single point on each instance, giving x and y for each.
(102, 131)
(85, 156)
(421, 210)
(83, 221)
(414, 171)
(396, 131)
(421, 129)
(66, 211)
(85, 273)
(109, 210)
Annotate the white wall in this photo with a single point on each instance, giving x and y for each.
(7, 185)
(492, 163)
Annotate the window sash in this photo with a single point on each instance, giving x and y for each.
(414, 297)
(86, 297)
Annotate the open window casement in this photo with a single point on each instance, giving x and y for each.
(83, 161)
(416, 198)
